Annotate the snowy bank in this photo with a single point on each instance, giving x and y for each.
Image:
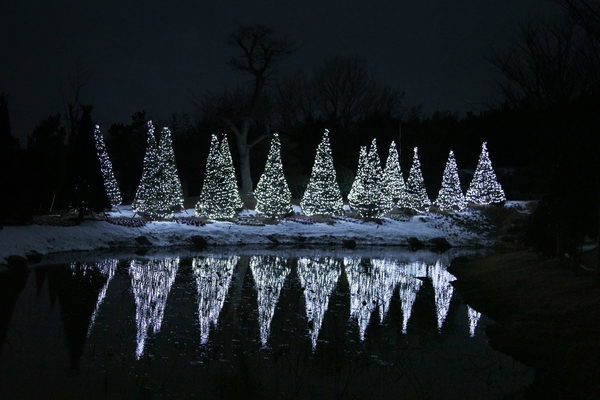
(98, 235)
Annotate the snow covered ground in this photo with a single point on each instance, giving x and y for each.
(466, 229)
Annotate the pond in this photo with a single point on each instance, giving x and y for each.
(247, 323)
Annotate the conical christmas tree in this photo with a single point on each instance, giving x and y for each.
(367, 194)
(172, 184)
(450, 197)
(484, 188)
(157, 197)
(219, 198)
(415, 187)
(273, 196)
(149, 199)
(358, 193)
(230, 183)
(110, 183)
(393, 181)
(322, 195)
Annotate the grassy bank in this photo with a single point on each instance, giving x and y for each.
(547, 317)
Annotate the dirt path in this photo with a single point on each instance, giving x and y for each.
(546, 317)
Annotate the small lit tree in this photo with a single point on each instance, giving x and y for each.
(172, 184)
(415, 187)
(484, 188)
(273, 196)
(230, 183)
(322, 195)
(450, 197)
(357, 193)
(219, 198)
(110, 182)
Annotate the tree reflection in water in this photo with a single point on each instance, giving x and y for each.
(409, 355)
(269, 274)
(372, 284)
(443, 289)
(106, 269)
(473, 320)
(213, 278)
(151, 282)
(410, 283)
(318, 278)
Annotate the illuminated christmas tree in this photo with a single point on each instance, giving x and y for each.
(322, 195)
(368, 196)
(393, 182)
(219, 198)
(484, 188)
(159, 194)
(110, 183)
(172, 184)
(357, 191)
(273, 196)
(150, 200)
(415, 187)
(451, 196)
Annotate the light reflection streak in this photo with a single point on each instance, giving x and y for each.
(318, 278)
(107, 269)
(151, 282)
(409, 288)
(371, 287)
(443, 290)
(269, 274)
(213, 278)
(473, 320)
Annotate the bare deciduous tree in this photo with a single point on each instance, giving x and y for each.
(346, 90)
(548, 64)
(586, 13)
(246, 107)
(72, 92)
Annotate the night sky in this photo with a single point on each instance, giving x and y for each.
(151, 54)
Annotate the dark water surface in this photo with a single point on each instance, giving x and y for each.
(252, 324)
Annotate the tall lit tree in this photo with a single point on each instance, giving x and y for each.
(393, 181)
(142, 195)
(484, 188)
(322, 195)
(219, 198)
(110, 183)
(415, 186)
(367, 195)
(273, 196)
(150, 200)
(172, 184)
(450, 197)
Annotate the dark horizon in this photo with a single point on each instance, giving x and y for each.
(151, 57)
